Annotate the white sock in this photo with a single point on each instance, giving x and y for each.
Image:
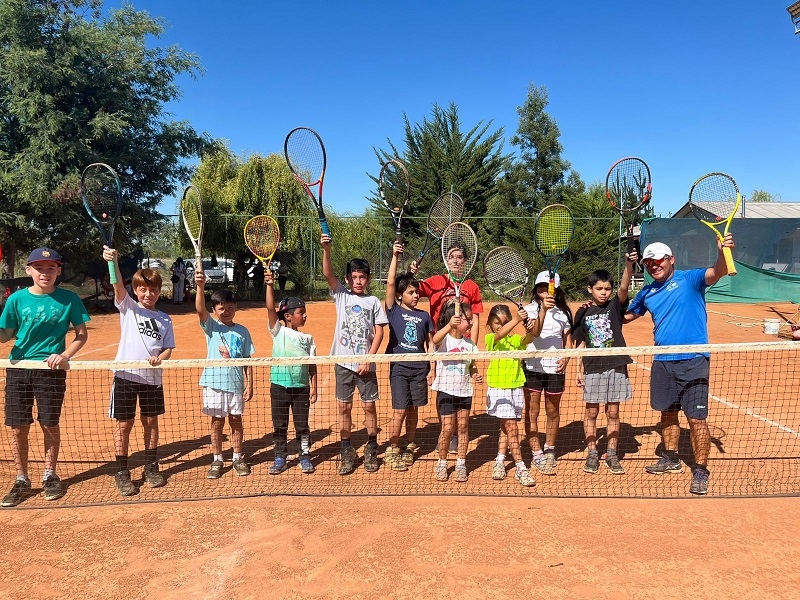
(521, 466)
(442, 462)
(218, 457)
(460, 462)
(236, 456)
(500, 458)
(305, 444)
(48, 473)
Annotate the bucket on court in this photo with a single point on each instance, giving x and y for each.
(772, 326)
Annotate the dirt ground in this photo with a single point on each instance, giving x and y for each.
(406, 546)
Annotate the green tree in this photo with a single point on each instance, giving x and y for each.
(761, 196)
(80, 86)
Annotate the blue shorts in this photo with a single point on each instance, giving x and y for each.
(681, 385)
(409, 386)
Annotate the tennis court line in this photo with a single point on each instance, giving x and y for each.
(746, 411)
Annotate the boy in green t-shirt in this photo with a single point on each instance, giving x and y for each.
(39, 317)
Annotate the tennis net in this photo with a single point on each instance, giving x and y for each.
(754, 428)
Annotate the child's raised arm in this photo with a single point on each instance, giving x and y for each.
(442, 332)
(327, 264)
(109, 254)
(269, 283)
(509, 327)
(391, 276)
(200, 295)
(625, 280)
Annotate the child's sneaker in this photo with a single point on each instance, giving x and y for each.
(53, 488)
(124, 483)
(665, 465)
(371, 458)
(19, 491)
(498, 471)
(279, 466)
(524, 478)
(440, 471)
(348, 464)
(241, 467)
(699, 484)
(592, 464)
(613, 464)
(408, 453)
(306, 466)
(461, 473)
(215, 472)
(395, 460)
(153, 476)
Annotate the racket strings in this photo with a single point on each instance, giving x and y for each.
(448, 208)
(192, 214)
(554, 229)
(628, 184)
(459, 238)
(102, 192)
(714, 198)
(506, 272)
(261, 234)
(394, 186)
(305, 155)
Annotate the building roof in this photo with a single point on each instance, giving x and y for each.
(755, 210)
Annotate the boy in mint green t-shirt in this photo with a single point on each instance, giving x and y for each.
(39, 318)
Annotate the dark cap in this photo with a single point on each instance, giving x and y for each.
(290, 303)
(44, 254)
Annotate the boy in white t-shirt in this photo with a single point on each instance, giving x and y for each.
(146, 334)
(360, 321)
(225, 389)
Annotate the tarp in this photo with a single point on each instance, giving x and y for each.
(767, 256)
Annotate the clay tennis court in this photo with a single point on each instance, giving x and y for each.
(400, 545)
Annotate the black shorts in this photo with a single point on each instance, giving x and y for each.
(123, 399)
(24, 385)
(409, 386)
(681, 385)
(549, 383)
(450, 405)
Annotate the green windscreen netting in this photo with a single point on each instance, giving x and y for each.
(767, 256)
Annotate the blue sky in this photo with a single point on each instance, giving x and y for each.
(691, 87)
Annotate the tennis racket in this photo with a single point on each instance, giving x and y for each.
(459, 251)
(506, 273)
(192, 215)
(448, 208)
(262, 235)
(553, 235)
(102, 198)
(394, 187)
(305, 155)
(714, 200)
(628, 190)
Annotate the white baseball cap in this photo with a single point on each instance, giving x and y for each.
(656, 250)
(544, 277)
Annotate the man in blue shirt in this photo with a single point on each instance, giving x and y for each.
(676, 301)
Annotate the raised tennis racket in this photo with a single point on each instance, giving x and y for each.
(714, 200)
(305, 155)
(102, 198)
(394, 186)
(506, 273)
(553, 235)
(459, 251)
(448, 208)
(628, 190)
(192, 215)
(262, 235)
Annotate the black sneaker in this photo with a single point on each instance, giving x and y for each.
(19, 491)
(371, 458)
(592, 464)
(348, 461)
(53, 488)
(124, 483)
(153, 477)
(699, 484)
(665, 465)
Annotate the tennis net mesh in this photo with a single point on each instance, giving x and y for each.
(754, 427)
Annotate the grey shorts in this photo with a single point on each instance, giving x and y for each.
(609, 386)
(347, 381)
(681, 385)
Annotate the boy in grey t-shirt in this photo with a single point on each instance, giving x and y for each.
(360, 320)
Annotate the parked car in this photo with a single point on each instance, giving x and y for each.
(215, 276)
(152, 263)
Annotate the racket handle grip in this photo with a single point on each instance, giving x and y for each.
(551, 287)
(398, 238)
(457, 307)
(112, 272)
(726, 252)
(323, 223)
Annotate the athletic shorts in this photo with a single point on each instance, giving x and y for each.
(219, 403)
(450, 405)
(681, 385)
(409, 387)
(609, 386)
(123, 399)
(549, 383)
(46, 386)
(505, 404)
(347, 381)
